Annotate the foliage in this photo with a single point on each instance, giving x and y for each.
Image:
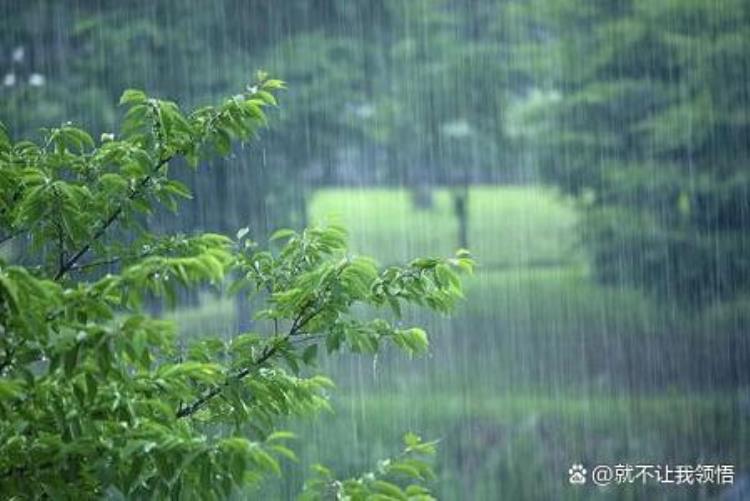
(645, 116)
(450, 124)
(98, 397)
(373, 485)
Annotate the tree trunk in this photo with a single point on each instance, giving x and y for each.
(461, 210)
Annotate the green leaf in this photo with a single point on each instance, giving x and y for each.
(281, 234)
(272, 84)
(267, 97)
(310, 354)
(133, 96)
(280, 435)
(222, 142)
(10, 389)
(389, 489)
(178, 188)
(76, 138)
(242, 232)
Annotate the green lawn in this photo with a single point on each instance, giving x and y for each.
(522, 445)
(508, 226)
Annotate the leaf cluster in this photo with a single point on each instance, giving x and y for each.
(98, 397)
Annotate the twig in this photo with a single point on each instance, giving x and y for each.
(209, 394)
(70, 263)
(60, 232)
(94, 264)
(297, 325)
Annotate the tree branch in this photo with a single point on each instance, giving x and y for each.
(71, 262)
(94, 264)
(297, 325)
(60, 232)
(270, 351)
(209, 394)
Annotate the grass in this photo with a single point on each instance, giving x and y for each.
(521, 446)
(511, 226)
(554, 299)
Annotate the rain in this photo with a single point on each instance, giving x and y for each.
(594, 158)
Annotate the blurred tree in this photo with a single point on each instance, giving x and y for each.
(642, 109)
(87, 52)
(381, 91)
(440, 109)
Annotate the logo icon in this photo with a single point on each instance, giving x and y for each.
(577, 474)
